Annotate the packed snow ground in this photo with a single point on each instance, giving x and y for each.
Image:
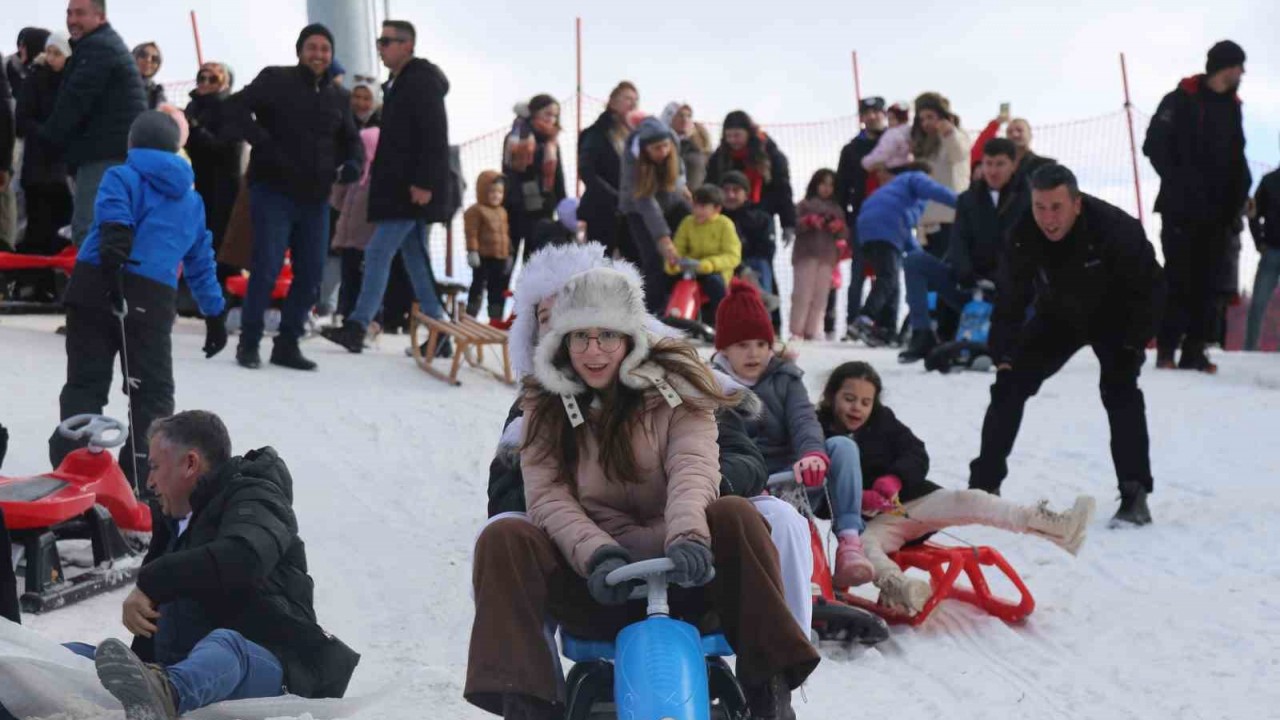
(1179, 620)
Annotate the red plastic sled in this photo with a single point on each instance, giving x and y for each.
(686, 300)
(944, 565)
(64, 261)
(238, 285)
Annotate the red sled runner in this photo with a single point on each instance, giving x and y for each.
(16, 272)
(86, 498)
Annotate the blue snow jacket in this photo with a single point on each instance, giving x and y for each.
(890, 213)
(152, 194)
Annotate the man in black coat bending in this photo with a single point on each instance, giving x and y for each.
(304, 138)
(1094, 280)
(409, 183)
(1196, 143)
(223, 604)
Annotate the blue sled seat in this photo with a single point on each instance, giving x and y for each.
(713, 645)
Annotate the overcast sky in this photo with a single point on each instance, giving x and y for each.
(785, 61)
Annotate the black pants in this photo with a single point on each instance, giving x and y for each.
(48, 210)
(9, 608)
(93, 342)
(886, 292)
(491, 276)
(939, 241)
(1047, 345)
(352, 272)
(1193, 256)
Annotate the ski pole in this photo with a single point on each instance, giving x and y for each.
(129, 383)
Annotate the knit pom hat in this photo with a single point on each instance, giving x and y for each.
(742, 316)
(601, 298)
(1224, 54)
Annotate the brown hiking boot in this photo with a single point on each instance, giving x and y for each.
(142, 688)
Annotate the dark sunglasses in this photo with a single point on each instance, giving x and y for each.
(149, 57)
(206, 79)
(387, 41)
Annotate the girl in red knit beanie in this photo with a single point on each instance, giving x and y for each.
(787, 430)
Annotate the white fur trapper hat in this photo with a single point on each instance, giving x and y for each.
(546, 272)
(600, 298)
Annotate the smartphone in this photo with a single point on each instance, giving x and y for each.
(1004, 109)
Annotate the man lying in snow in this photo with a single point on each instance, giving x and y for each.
(223, 606)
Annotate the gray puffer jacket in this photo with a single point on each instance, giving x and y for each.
(787, 427)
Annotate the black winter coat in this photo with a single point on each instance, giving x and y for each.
(888, 447)
(1101, 279)
(742, 471)
(600, 167)
(155, 94)
(101, 95)
(243, 564)
(1196, 143)
(1267, 202)
(851, 177)
(755, 231)
(981, 229)
(215, 157)
(42, 161)
(531, 179)
(301, 130)
(413, 148)
(776, 196)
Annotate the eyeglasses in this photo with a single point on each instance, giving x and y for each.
(149, 57)
(608, 341)
(387, 41)
(206, 79)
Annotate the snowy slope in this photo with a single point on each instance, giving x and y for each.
(1180, 620)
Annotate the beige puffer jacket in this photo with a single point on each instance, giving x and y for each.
(678, 460)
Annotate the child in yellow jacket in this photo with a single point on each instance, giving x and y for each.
(708, 247)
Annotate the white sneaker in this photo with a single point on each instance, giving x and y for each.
(1067, 529)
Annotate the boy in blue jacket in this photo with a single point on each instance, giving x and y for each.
(884, 230)
(148, 223)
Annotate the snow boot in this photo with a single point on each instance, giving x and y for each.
(527, 707)
(1195, 358)
(142, 688)
(247, 355)
(852, 566)
(350, 335)
(922, 343)
(905, 594)
(1067, 529)
(1133, 507)
(770, 700)
(285, 353)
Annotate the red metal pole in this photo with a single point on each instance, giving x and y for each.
(577, 181)
(1133, 144)
(195, 32)
(857, 84)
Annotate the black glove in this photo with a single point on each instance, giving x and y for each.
(215, 335)
(694, 563)
(348, 173)
(604, 561)
(115, 246)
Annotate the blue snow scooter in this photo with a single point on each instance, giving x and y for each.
(969, 351)
(655, 669)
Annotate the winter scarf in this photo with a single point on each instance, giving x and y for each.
(751, 170)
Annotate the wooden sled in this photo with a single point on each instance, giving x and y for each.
(469, 339)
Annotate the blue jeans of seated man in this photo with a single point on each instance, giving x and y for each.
(222, 666)
(281, 223)
(1264, 286)
(763, 267)
(409, 238)
(843, 486)
(927, 273)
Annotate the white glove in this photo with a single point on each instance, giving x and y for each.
(473, 259)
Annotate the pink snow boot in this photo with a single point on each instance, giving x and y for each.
(852, 565)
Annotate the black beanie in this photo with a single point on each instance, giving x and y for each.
(738, 120)
(154, 130)
(736, 177)
(1223, 55)
(313, 29)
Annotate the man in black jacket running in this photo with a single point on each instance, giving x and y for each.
(1094, 280)
(223, 603)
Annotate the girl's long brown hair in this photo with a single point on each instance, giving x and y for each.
(622, 407)
(651, 177)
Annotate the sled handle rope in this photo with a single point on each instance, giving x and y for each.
(130, 384)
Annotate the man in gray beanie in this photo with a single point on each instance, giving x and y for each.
(1196, 143)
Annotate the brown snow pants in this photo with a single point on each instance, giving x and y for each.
(520, 579)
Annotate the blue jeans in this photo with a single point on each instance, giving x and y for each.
(1264, 286)
(844, 485)
(409, 238)
(222, 666)
(88, 178)
(927, 273)
(281, 223)
(763, 267)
